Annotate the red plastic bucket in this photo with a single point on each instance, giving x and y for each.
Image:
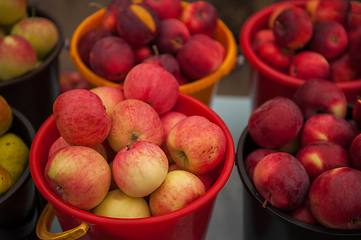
(267, 82)
(189, 222)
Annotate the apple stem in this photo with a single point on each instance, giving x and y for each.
(265, 202)
(95, 5)
(155, 49)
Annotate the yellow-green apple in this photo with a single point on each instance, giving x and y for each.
(80, 117)
(318, 157)
(335, 198)
(41, 32)
(112, 58)
(200, 56)
(276, 55)
(275, 12)
(117, 204)
(303, 212)
(293, 28)
(17, 57)
(138, 23)
(196, 144)
(6, 116)
(354, 46)
(12, 11)
(327, 127)
(355, 152)
(310, 7)
(87, 40)
(261, 37)
(342, 70)
(253, 159)
(282, 180)
(168, 120)
(79, 175)
(109, 19)
(152, 84)
(356, 112)
(172, 35)
(355, 14)
(165, 8)
(329, 38)
(309, 64)
(110, 97)
(200, 17)
(178, 189)
(72, 80)
(141, 52)
(333, 10)
(134, 120)
(264, 127)
(165, 60)
(206, 178)
(61, 143)
(320, 96)
(140, 168)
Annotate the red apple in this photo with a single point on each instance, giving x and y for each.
(356, 112)
(165, 8)
(354, 46)
(141, 52)
(165, 60)
(110, 97)
(320, 96)
(311, 7)
(355, 14)
(261, 37)
(303, 212)
(264, 127)
(109, 20)
(253, 159)
(334, 10)
(72, 80)
(275, 12)
(276, 55)
(111, 58)
(282, 180)
(355, 152)
(342, 69)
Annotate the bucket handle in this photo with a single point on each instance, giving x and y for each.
(44, 223)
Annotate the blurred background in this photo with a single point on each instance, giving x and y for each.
(70, 13)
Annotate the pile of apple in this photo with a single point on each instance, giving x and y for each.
(123, 152)
(157, 32)
(308, 163)
(25, 41)
(321, 39)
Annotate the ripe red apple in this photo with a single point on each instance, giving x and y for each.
(165, 60)
(355, 14)
(87, 40)
(276, 55)
(354, 46)
(200, 17)
(320, 96)
(253, 159)
(72, 80)
(141, 52)
(355, 152)
(293, 28)
(165, 8)
(275, 12)
(333, 10)
(327, 127)
(309, 64)
(261, 37)
(282, 180)
(356, 112)
(318, 157)
(153, 84)
(12, 11)
(335, 198)
(179, 189)
(196, 144)
(200, 56)
(342, 69)
(109, 20)
(311, 7)
(134, 120)
(111, 58)
(110, 97)
(140, 168)
(79, 175)
(12, 63)
(264, 127)
(81, 118)
(172, 35)
(303, 212)
(329, 38)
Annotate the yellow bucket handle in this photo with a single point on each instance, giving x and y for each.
(44, 223)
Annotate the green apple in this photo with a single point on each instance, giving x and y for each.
(12, 11)
(6, 116)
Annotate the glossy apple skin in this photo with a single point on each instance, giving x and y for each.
(81, 118)
(276, 55)
(71, 80)
(333, 10)
(140, 168)
(110, 97)
(318, 157)
(196, 144)
(303, 213)
(167, 61)
(355, 152)
(253, 159)
(327, 127)
(79, 175)
(152, 84)
(329, 38)
(293, 28)
(335, 187)
(110, 18)
(309, 64)
(179, 189)
(142, 52)
(320, 96)
(276, 12)
(261, 37)
(111, 58)
(264, 127)
(134, 120)
(355, 14)
(342, 69)
(165, 8)
(356, 112)
(282, 180)
(200, 17)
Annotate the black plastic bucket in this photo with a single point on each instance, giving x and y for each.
(34, 93)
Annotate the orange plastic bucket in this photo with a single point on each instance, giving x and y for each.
(190, 222)
(203, 89)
